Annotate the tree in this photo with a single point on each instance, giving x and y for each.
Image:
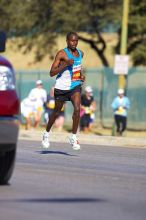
(29, 25)
(39, 23)
(90, 16)
(137, 32)
(136, 46)
(5, 16)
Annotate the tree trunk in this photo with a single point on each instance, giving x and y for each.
(94, 45)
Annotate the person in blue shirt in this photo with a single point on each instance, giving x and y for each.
(120, 106)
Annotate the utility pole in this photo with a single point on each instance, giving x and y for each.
(124, 33)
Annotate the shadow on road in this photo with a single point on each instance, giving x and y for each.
(55, 152)
(56, 200)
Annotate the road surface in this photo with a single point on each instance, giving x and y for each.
(96, 183)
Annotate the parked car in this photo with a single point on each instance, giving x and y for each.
(9, 117)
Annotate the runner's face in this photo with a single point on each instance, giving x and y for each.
(72, 42)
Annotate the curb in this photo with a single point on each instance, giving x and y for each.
(93, 139)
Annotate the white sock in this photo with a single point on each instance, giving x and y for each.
(74, 136)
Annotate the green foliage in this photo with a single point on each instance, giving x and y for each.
(4, 15)
(86, 16)
(39, 22)
(137, 32)
(30, 20)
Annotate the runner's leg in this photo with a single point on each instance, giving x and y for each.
(55, 113)
(76, 101)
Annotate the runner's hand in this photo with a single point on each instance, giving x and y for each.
(82, 78)
(70, 62)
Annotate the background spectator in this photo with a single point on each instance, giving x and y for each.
(32, 106)
(49, 106)
(88, 107)
(120, 105)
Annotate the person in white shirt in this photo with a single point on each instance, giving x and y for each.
(32, 106)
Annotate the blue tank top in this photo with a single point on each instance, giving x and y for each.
(70, 77)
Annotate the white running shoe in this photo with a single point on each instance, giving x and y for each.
(74, 143)
(45, 140)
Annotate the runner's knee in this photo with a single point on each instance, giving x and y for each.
(77, 110)
(57, 112)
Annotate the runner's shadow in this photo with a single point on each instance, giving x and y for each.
(55, 152)
(57, 200)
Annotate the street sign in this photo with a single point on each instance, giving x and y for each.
(121, 64)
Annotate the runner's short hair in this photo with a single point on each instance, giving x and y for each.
(69, 34)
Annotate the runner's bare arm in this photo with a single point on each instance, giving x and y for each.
(60, 63)
(82, 75)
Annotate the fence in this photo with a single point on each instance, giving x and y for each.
(105, 85)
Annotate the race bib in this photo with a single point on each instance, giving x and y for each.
(76, 76)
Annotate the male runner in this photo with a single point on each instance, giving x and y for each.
(67, 66)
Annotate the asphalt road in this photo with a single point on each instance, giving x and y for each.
(96, 183)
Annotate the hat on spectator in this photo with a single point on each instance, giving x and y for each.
(39, 82)
(120, 91)
(88, 89)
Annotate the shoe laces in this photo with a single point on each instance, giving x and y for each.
(45, 136)
(74, 140)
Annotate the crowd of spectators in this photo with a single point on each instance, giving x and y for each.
(39, 105)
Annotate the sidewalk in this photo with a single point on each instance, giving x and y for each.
(62, 137)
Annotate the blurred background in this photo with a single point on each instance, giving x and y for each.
(36, 30)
